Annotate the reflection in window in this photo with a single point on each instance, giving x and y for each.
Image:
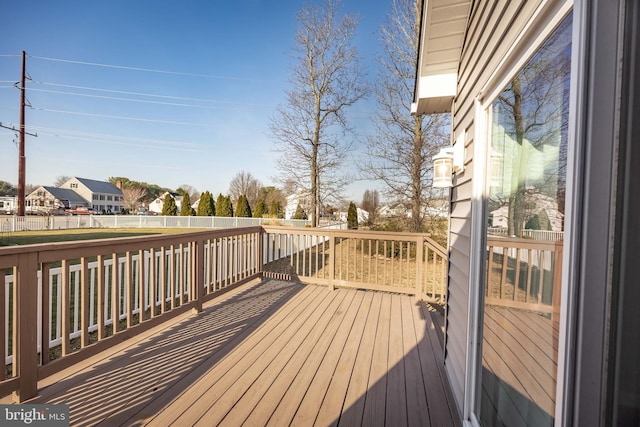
(527, 179)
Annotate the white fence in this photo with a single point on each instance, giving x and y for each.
(552, 236)
(12, 224)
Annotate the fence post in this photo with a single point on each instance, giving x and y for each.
(419, 265)
(25, 302)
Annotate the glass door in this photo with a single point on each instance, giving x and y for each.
(527, 162)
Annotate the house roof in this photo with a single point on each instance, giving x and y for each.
(442, 33)
(65, 194)
(99, 186)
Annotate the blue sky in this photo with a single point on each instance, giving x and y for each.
(227, 66)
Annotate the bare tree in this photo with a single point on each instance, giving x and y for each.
(245, 184)
(310, 129)
(190, 190)
(133, 197)
(399, 153)
(61, 180)
(371, 204)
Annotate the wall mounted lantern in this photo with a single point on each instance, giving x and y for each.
(447, 161)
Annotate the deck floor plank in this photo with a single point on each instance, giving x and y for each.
(314, 366)
(396, 404)
(375, 400)
(417, 412)
(217, 383)
(353, 407)
(431, 359)
(267, 391)
(324, 400)
(251, 386)
(277, 353)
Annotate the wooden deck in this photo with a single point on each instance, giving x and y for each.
(271, 353)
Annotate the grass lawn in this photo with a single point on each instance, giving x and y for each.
(49, 236)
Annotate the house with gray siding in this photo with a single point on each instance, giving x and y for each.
(101, 195)
(541, 325)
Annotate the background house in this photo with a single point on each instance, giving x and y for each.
(300, 197)
(53, 201)
(363, 216)
(8, 204)
(101, 195)
(155, 207)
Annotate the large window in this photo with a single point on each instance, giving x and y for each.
(525, 209)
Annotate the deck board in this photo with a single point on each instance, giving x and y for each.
(277, 353)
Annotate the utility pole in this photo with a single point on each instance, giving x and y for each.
(21, 132)
(21, 151)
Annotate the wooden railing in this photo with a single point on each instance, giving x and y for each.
(393, 262)
(101, 292)
(524, 274)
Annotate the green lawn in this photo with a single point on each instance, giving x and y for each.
(49, 236)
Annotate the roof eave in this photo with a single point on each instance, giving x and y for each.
(442, 32)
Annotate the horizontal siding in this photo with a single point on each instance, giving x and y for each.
(456, 343)
(492, 30)
(459, 270)
(460, 226)
(460, 209)
(460, 245)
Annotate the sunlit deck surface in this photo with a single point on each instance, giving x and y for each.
(271, 353)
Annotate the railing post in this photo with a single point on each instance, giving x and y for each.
(332, 261)
(260, 255)
(25, 301)
(419, 266)
(557, 283)
(197, 275)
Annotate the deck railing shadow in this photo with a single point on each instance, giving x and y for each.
(159, 368)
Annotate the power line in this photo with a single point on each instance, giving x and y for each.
(149, 70)
(57, 131)
(78, 113)
(142, 94)
(145, 101)
(126, 143)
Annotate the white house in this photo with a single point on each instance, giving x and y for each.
(101, 195)
(155, 207)
(8, 204)
(302, 198)
(363, 216)
(542, 95)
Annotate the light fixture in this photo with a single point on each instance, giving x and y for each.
(447, 161)
(442, 168)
